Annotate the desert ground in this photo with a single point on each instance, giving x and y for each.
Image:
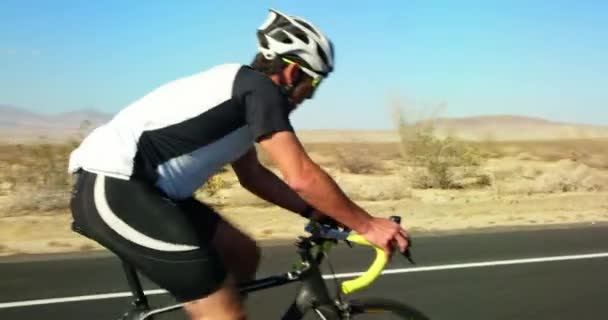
(499, 184)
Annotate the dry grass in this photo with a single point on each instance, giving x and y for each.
(591, 152)
(537, 177)
(532, 182)
(345, 156)
(33, 178)
(360, 161)
(376, 151)
(213, 185)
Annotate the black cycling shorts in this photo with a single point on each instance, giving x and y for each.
(168, 241)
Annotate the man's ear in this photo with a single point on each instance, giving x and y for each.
(292, 74)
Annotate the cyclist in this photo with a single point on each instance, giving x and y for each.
(137, 173)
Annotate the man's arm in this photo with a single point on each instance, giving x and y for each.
(311, 182)
(316, 187)
(265, 184)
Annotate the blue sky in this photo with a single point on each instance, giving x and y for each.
(535, 58)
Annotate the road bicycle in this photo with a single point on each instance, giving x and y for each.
(314, 296)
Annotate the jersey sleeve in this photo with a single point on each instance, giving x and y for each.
(266, 107)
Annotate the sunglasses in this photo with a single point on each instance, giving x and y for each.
(316, 78)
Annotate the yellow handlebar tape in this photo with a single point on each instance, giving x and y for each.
(372, 273)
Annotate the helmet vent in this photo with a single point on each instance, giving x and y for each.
(307, 26)
(262, 40)
(282, 36)
(301, 36)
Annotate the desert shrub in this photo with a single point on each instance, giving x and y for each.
(421, 147)
(561, 176)
(484, 180)
(213, 185)
(374, 187)
(435, 174)
(37, 177)
(357, 161)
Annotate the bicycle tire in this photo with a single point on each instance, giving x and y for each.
(373, 308)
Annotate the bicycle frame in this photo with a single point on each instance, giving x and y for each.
(313, 294)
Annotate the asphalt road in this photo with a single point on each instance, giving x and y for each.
(535, 274)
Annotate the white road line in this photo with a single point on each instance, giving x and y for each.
(74, 299)
(476, 265)
(339, 275)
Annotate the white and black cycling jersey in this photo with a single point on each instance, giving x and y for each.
(181, 133)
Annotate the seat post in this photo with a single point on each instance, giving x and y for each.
(135, 286)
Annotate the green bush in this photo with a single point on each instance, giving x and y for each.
(421, 147)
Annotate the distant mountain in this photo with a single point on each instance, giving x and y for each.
(480, 128)
(13, 117)
(76, 118)
(20, 126)
(511, 127)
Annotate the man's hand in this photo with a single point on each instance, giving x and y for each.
(384, 233)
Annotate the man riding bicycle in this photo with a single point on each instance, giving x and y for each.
(137, 173)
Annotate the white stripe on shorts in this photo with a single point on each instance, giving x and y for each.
(126, 231)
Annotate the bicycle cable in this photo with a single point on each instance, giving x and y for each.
(333, 273)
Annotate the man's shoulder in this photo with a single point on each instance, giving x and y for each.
(251, 80)
(248, 73)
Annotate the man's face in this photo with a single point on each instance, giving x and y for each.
(306, 82)
(304, 90)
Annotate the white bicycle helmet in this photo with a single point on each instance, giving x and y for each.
(289, 36)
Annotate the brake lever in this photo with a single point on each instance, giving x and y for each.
(350, 245)
(407, 254)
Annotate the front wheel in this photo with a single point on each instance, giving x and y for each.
(381, 309)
